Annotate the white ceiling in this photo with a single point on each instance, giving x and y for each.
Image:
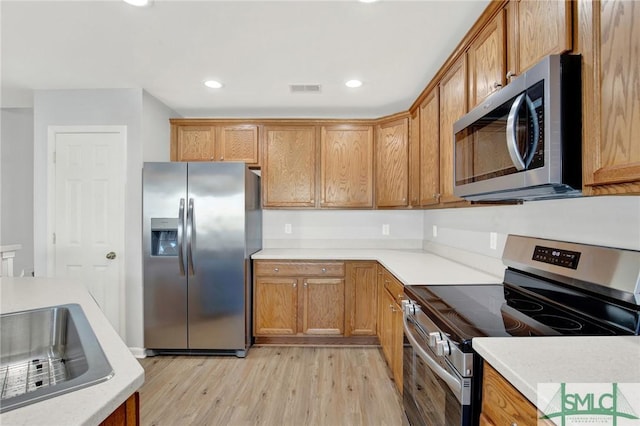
(255, 48)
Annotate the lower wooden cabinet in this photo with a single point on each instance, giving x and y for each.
(127, 414)
(361, 298)
(315, 302)
(390, 293)
(299, 298)
(502, 404)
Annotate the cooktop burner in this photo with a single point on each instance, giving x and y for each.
(500, 310)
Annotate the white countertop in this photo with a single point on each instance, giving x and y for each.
(411, 267)
(88, 406)
(527, 361)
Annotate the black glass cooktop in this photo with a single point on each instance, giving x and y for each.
(500, 310)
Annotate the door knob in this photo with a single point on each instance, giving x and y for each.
(111, 255)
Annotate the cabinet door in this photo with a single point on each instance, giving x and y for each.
(346, 166)
(323, 311)
(537, 28)
(414, 158)
(289, 167)
(386, 324)
(195, 143)
(397, 336)
(487, 60)
(453, 105)
(392, 164)
(502, 404)
(610, 41)
(238, 143)
(430, 149)
(275, 306)
(361, 299)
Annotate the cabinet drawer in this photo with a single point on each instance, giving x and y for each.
(394, 287)
(307, 269)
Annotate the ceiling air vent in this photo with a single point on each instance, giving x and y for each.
(304, 88)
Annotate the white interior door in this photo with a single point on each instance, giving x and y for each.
(88, 239)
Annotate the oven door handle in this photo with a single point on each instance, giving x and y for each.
(453, 382)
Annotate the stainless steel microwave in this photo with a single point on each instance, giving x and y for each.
(524, 142)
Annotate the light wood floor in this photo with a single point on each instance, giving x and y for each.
(271, 386)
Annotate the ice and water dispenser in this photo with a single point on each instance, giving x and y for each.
(164, 236)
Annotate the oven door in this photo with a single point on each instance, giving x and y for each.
(434, 393)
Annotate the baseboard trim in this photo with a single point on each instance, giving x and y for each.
(138, 352)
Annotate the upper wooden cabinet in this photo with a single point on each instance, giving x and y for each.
(429, 113)
(392, 164)
(453, 105)
(238, 143)
(537, 28)
(346, 166)
(213, 141)
(195, 143)
(487, 60)
(289, 166)
(609, 42)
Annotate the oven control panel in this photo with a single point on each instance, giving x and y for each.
(558, 257)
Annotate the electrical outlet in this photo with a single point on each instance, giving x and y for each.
(385, 229)
(287, 228)
(493, 240)
(435, 231)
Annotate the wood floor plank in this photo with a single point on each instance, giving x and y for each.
(272, 386)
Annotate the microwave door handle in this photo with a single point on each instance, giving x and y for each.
(181, 236)
(452, 382)
(512, 129)
(536, 132)
(190, 237)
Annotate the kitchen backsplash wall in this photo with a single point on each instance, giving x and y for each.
(465, 234)
(342, 229)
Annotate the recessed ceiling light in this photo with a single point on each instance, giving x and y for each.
(139, 3)
(353, 83)
(213, 84)
(368, 1)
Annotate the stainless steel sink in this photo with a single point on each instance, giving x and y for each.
(48, 352)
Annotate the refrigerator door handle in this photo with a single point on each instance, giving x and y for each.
(191, 235)
(181, 236)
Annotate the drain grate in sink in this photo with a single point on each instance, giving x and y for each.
(24, 377)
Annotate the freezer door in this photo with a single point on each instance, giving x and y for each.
(165, 280)
(216, 256)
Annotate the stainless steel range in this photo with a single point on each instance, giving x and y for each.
(550, 288)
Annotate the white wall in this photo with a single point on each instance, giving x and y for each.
(16, 185)
(147, 130)
(342, 229)
(609, 221)
(156, 135)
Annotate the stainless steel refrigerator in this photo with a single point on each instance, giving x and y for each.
(201, 223)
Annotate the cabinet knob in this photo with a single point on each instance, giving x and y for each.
(276, 269)
(436, 196)
(295, 284)
(497, 85)
(510, 75)
(324, 270)
(211, 158)
(221, 158)
(305, 284)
